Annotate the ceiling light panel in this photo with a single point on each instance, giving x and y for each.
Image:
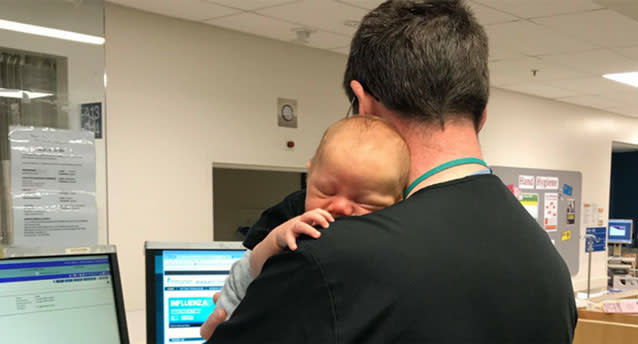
(250, 5)
(630, 78)
(50, 32)
(540, 8)
(531, 39)
(321, 14)
(602, 28)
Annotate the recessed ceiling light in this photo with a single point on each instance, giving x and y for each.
(630, 78)
(49, 32)
(20, 94)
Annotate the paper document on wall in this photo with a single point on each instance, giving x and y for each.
(53, 187)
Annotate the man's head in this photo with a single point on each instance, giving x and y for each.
(361, 165)
(425, 60)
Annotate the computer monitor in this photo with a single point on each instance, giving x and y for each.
(181, 279)
(54, 297)
(619, 231)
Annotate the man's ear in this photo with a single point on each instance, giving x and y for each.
(482, 120)
(308, 165)
(365, 99)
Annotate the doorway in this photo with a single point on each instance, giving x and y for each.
(242, 193)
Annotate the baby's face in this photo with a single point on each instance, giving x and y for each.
(350, 186)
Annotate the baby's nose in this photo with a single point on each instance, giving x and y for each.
(340, 207)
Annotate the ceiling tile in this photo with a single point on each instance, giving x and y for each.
(250, 5)
(540, 8)
(328, 40)
(343, 50)
(598, 102)
(531, 39)
(595, 62)
(196, 10)
(365, 4)
(487, 16)
(256, 24)
(604, 28)
(540, 90)
(500, 52)
(321, 14)
(625, 110)
(631, 52)
(593, 86)
(519, 71)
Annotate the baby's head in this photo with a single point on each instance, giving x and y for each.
(360, 166)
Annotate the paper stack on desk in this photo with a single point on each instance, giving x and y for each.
(621, 306)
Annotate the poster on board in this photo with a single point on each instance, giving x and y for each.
(530, 203)
(551, 211)
(53, 187)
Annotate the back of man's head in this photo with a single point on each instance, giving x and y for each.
(425, 60)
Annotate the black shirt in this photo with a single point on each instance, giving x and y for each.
(457, 262)
(293, 205)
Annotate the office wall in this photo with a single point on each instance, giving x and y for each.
(573, 138)
(182, 95)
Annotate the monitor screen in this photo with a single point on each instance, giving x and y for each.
(619, 231)
(180, 288)
(61, 299)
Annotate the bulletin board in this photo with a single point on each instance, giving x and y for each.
(553, 198)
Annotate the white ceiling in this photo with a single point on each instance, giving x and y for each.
(570, 43)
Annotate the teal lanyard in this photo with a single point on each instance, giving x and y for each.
(442, 167)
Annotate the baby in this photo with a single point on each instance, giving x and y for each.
(360, 166)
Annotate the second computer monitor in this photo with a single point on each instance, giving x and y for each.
(181, 279)
(619, 231)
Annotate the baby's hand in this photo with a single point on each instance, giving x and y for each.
(286, 234)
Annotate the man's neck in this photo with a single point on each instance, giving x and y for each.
(431, 147)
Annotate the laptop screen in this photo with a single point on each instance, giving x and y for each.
(60, 299)
(180, 290)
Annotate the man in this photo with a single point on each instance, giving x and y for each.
(459, 260)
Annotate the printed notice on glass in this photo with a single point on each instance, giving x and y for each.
(53, 187)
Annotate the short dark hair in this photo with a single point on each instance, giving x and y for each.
(426, 60)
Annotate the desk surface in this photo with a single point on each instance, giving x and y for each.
(619, 266)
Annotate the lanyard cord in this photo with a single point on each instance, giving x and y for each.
(442, 167)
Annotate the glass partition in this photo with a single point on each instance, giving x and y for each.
(52, 75)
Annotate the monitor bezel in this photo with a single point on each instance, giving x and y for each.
(631, 232)
(150, 248)
(109, 250)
